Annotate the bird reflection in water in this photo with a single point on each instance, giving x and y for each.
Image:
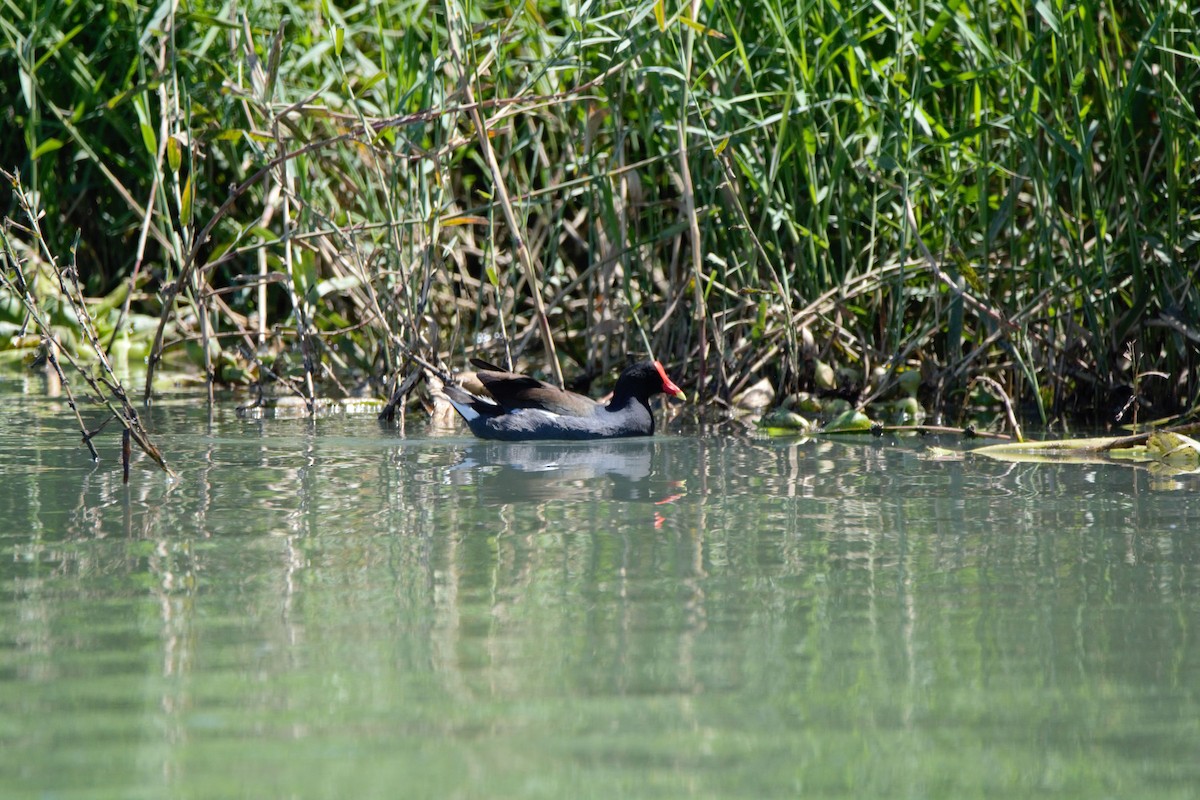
(623, 470)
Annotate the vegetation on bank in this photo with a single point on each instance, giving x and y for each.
(998, 196)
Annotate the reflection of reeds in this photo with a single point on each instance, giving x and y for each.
(104, 387)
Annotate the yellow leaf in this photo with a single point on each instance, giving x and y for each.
(660, 14)
(174, 153)
(696, 26)
(185, 202)
(465, 219)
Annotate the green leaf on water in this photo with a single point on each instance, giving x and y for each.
(849, 422)
(782, 420)
(1174, 450)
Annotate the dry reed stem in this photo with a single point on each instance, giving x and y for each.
(693, 223)
(456, 22)
(1004, 398)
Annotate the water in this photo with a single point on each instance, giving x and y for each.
(333, 609)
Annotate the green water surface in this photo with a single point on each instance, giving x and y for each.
(333, 609)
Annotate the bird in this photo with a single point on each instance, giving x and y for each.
(521, 408)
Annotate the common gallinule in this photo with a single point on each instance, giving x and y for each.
(524, 408)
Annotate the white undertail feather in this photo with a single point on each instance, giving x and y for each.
(463, 405)
(464, 410)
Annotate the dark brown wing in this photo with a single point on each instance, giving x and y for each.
(513, 390)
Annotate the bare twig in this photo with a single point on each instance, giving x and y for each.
(105, 387)
(1004, 398)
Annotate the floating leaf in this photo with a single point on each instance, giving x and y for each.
(1089, 450)
(781, 419)
(849, 422)
(1174, 450)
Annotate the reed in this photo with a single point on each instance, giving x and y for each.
(972, 189)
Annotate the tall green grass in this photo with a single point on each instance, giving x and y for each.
(978, 188)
